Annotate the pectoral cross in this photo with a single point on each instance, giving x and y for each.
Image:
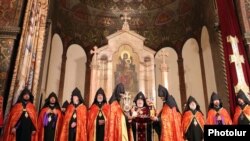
(125, 24)
(238, 59)
(95, 52)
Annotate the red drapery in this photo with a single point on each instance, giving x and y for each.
(229, 26)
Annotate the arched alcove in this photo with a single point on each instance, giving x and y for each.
(172, 82)
(75, 71)
(192, 72)
(55, 61)
(208, 62)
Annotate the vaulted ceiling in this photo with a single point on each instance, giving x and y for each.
(161, 22)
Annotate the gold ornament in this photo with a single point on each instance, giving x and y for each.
(195, 122)
(26, 115)
(74, 116)
(100, 114)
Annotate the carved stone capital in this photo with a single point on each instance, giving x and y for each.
(9, 32)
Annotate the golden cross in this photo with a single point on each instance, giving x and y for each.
(238, 59)
(125, 24)
(95, 52)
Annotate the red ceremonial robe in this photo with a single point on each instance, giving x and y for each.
(170, 124)
(81, 123)
(14, 115)
(238, 111)
(41, 127)
(92, 116)
(117, 129)
(187, 119)
(142, 126)
(224, 114)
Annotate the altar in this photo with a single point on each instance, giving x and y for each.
(125, 59)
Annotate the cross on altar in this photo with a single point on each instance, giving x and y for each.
(95, 52)
(164, 54)
(126, 101)
(125, 24)
(238, 59)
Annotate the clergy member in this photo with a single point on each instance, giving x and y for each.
(22, 121)
(75, 120)
(169, 118)
(97, 117)
(217, 114)
(117, 128)
(50, 120)
(193, 121)
(141, 122)
(242, 111)
(64, 106)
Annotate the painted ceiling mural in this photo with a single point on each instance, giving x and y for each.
(8, 10)
(162, 22)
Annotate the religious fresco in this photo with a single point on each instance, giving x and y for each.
(162, 22)
(126, 69)
(126, 72)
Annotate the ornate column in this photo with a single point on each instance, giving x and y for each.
(42, 18)
(30, 47)
(147, 78)
(150, 79)
(94, 83)
(142, 76)
(109, 79)
(164, 69)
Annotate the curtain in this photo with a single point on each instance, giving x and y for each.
(237, 77)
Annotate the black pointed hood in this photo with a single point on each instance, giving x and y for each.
(172, 103)
(65, 104)
(192, 99)
(25, 91)
(243, 96)
(47, 101)
(77, 92)
(162, 92)
(214, 97)
(116, 93)
(100, 91)
(140, 95)
(169, 99)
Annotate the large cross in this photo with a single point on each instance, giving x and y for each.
(95, 52)
(237, 59)
(126, 101)
(164, 54)
(125, 24)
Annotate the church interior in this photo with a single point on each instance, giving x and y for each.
(184, 45)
